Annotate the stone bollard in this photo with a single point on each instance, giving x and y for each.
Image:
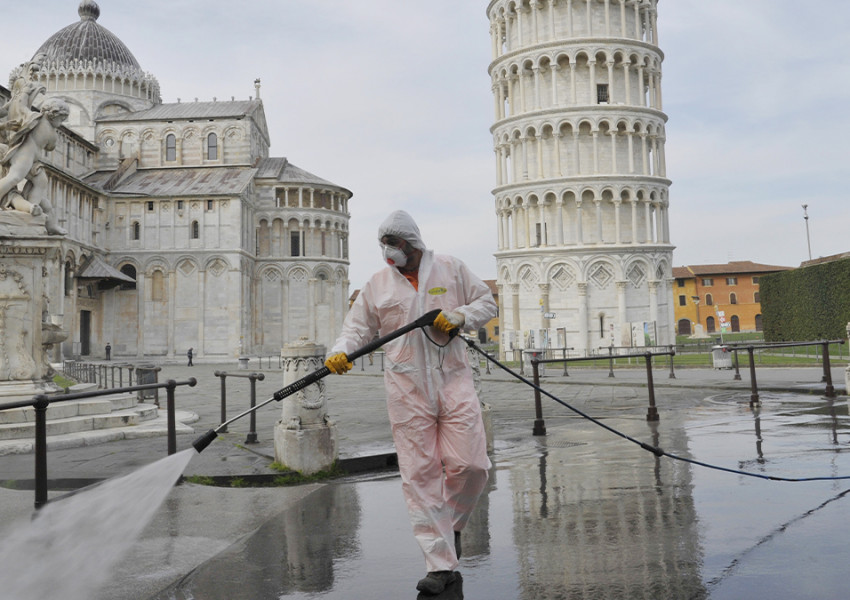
(486, 415)
(305, 440)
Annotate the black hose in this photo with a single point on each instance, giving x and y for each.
(648, 447)
(425, 320)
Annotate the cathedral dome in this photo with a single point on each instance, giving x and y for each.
(87, 41)
(86, 57)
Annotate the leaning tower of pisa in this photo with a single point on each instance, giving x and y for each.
(584, 255)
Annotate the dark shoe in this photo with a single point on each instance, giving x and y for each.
(435, 582)
(457, 544)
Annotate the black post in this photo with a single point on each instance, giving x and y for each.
(223, 375)
(610, 361)
(754, 388)
(737, 371)
(252, 433)
(672, 373)
(40, 407)
(827, 372)
(652, 412)
(156, 371)
(172, 421)
(539, 425)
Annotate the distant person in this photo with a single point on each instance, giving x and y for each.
(189, 354)
(434, 411)
(108, 351)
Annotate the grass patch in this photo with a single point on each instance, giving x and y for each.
(63, 381)
(287, 477)
(290, 477)
(200, 480)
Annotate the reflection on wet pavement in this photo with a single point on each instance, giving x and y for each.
(582, 514)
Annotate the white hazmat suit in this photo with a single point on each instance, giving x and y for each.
(433, 408)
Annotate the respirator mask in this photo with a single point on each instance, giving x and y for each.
(394, 257)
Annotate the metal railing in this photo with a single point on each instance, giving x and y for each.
(651, 414)
(104, 375)
(253, 378)
(42, 401)
(829, 391)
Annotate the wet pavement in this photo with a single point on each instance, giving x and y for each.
(577, 513)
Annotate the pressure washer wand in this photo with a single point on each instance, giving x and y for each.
(425, 320)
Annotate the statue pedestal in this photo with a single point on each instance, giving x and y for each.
(305, 440)
(26, 330)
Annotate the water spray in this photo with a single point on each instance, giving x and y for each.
(424, 321)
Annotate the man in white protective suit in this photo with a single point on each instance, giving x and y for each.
(433, 408)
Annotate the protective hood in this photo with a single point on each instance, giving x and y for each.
(401, 224)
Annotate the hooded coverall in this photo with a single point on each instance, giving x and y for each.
(433, 408)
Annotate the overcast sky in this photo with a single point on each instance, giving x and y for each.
(391, 99)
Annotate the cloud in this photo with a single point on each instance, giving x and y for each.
(392, 100)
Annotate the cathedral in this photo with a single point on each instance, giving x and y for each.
(177, 229)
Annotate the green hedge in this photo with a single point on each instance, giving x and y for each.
(811, 303)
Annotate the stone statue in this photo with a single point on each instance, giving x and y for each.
(24, 133)
(19, 109)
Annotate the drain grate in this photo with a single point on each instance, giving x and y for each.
(563, 444)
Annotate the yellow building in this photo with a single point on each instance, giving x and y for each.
(719, 298)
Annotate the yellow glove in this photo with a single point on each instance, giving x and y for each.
(338, 363)
(446, 321)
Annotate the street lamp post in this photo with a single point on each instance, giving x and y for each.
(696, 301)
(808, 239)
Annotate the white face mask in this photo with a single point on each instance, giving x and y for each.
(394, 256)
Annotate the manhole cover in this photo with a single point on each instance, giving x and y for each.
(563, 444)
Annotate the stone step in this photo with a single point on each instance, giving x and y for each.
(155, 427)
(71, 408)
(106, 418)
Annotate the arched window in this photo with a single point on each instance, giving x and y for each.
(756, 298)
(709, 300)
(69, 278)
(758, 323)
(129, 271)
(736, 323)
(196, 230)
(709, 324)
(170, 147)
(212, 147)
(137, 230)
(157, 286)
(733, 298)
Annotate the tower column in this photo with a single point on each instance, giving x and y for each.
(535, 73)
(617, 203)
(559, 208)
(554, 68)
(556, 138)
(621, 302)
(582, 315)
